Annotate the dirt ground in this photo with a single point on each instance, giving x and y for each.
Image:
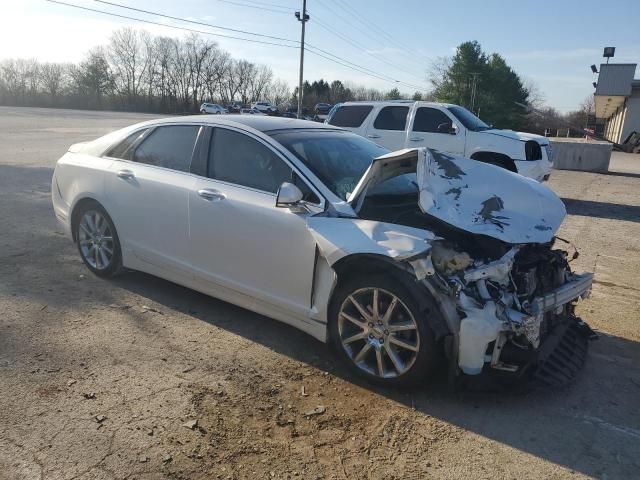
(138, 378)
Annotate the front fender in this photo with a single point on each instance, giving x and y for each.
(339, 237)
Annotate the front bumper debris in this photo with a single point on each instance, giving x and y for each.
(563, 354)
(578, 287)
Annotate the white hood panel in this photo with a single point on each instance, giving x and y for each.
(521, 136)
(473, 196)
(487, 200)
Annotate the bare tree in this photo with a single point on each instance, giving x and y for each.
(163, 50)
(197, 52)
(278, 93)
(259, 82)
(536, 97)
(128, 61)
(438, 71)
(53, 78)
(243, 72)
(13, 76)
(136, 70)
(217, 68)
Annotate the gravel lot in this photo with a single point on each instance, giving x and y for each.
(103, 379)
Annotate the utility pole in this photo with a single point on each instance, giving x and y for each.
(474, 89)
(304, 18)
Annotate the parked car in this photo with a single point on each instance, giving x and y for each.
(235, 107)
(251, 111)
(322, 108)
(212, 108)
(265, 107)
(389, 256)
(447, 128)
(321, 111)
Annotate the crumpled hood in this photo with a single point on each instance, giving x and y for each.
(521, 136)
(476, 197)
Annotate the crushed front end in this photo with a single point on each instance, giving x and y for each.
(517, 312)
(506, 294)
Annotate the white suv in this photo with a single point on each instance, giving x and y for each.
(212, 108)
(264, 107)
(448, 128)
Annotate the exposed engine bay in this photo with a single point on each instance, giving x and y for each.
(515, 301)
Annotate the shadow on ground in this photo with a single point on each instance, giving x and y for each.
(614, 211)
(539, 423)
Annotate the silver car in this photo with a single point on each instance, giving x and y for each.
(395, 258)
(213, 108)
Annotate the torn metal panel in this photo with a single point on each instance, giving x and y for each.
(339, 237)
(486, 200)
(324, 281)
(473, 196)
(383, 168)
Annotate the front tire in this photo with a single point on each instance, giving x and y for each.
(378, 330)
(97, 240)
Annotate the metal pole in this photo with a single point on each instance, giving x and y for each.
(303, 18)
(474, 90)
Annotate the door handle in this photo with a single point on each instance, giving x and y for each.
(416, 139)
(125, 174)
(211, 195)
(373, 136)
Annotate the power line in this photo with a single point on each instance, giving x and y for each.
(350, 67)
(378, 30)
(364, 49)
(194, 21)
(325, 54)
(240, 4)
(95, 10)
(277, 5)
(361, 69)
(181, 19)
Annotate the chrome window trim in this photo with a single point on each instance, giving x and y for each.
(325, 195)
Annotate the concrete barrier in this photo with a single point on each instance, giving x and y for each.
(581, 154)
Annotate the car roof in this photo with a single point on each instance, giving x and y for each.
(396, 102)
(257, 122)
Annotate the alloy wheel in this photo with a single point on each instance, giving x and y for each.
(378, 332)
(96, 240)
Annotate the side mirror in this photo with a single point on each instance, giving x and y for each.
(288, 195)
(446, 127)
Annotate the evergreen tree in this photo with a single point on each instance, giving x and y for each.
(393, 94)
(497, 88)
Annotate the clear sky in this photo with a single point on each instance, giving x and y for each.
(551, 43)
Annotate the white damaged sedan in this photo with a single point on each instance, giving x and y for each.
(394, 258)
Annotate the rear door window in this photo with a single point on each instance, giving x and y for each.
(124, 149)
(168, 147)
(350, 115)
(391, 118)
(429, 119)
(239, 159)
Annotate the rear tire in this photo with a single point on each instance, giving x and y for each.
(396, 349)
(97, 240)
